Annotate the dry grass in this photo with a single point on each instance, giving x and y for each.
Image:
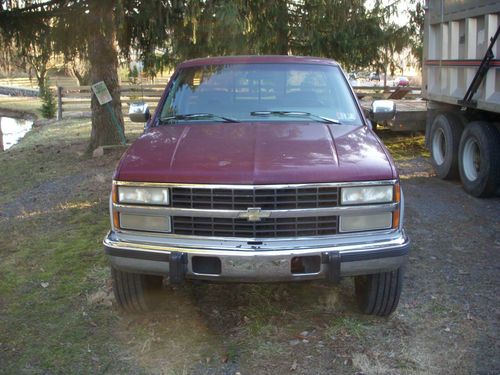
(57, 312)
(21, 104)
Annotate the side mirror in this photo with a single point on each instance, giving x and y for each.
(139, 112)
(382, 110)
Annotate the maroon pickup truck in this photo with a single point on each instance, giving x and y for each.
(258, 169)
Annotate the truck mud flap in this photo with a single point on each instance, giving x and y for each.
(178, 267)
(333, 261)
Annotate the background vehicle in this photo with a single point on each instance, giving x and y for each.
(402, 81)
(353, 79)
(374, 76)
(461, 81)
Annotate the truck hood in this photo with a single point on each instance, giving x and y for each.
(256, 153)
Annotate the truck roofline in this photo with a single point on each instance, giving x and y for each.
(263, 59)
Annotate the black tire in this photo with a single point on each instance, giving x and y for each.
(378, 294)
(444, 141)
(135, 292)
(479, 159)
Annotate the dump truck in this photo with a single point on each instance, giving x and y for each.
(461, 83)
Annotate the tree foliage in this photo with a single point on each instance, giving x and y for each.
(48, 108)
(416, 29)
(166, 31)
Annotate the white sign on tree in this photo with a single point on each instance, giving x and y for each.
(101, 92)
(104, 98)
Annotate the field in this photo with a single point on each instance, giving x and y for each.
(57, 314)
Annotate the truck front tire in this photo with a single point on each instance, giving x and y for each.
(135, 292)
(378, 294)
(446, 130)
(479, 159)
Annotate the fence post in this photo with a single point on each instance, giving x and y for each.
(59, 103)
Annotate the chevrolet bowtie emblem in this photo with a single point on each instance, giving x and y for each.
(254, 214)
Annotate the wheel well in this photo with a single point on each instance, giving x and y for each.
(437, 110)
(446, 110)
(479, 115)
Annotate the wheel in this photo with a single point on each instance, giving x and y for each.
(378, 294)
(135, 292)
(479, 159)
(445, 139)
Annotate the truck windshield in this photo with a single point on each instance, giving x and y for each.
(260, 92)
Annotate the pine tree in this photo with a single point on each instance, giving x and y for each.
(48, 108)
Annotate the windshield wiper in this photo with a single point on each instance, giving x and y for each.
(296, 114)
(194, 116)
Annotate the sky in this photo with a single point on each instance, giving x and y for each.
(401, 17)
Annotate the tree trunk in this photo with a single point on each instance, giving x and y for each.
(83, 79)
(282, 29)
(103, 59)
(1, 136)
(40, 78)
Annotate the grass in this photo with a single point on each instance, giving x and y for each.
(56, 313)
(346, 326)
(404, 146)
(52, 221)
(22, 104)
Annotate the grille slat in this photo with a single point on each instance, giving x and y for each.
(266, 228)
(267, 199)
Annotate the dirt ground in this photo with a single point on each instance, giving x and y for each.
(446, 323)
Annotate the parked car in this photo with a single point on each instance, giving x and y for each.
(257, 169)
(353, 79)
(402, 81)
(374, 76)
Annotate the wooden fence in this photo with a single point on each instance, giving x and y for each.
(74, 101)
(66, 81)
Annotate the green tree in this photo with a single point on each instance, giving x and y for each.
(167, 31)
(92, 28)
(416, 29)
(48, 108)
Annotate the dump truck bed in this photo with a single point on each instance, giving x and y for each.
(457, 36)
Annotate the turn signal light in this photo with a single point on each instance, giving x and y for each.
(396, 214)
(114, 198)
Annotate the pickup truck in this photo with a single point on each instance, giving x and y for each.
(257, 169)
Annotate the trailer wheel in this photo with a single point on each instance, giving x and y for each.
(378, 294)
(479, 159)
(445, 139)
(135, 292)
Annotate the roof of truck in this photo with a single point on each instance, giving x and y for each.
(269, 59)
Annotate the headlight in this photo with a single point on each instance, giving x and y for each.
(367, 194)
(366, 222)
(143, 195)
(145, 223)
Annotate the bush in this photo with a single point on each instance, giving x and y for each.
(48, 108)
(133, 75)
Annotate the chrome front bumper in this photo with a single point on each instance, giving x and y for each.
(259, 263)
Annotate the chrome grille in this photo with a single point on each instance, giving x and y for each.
(266, 199)
(266, 228)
